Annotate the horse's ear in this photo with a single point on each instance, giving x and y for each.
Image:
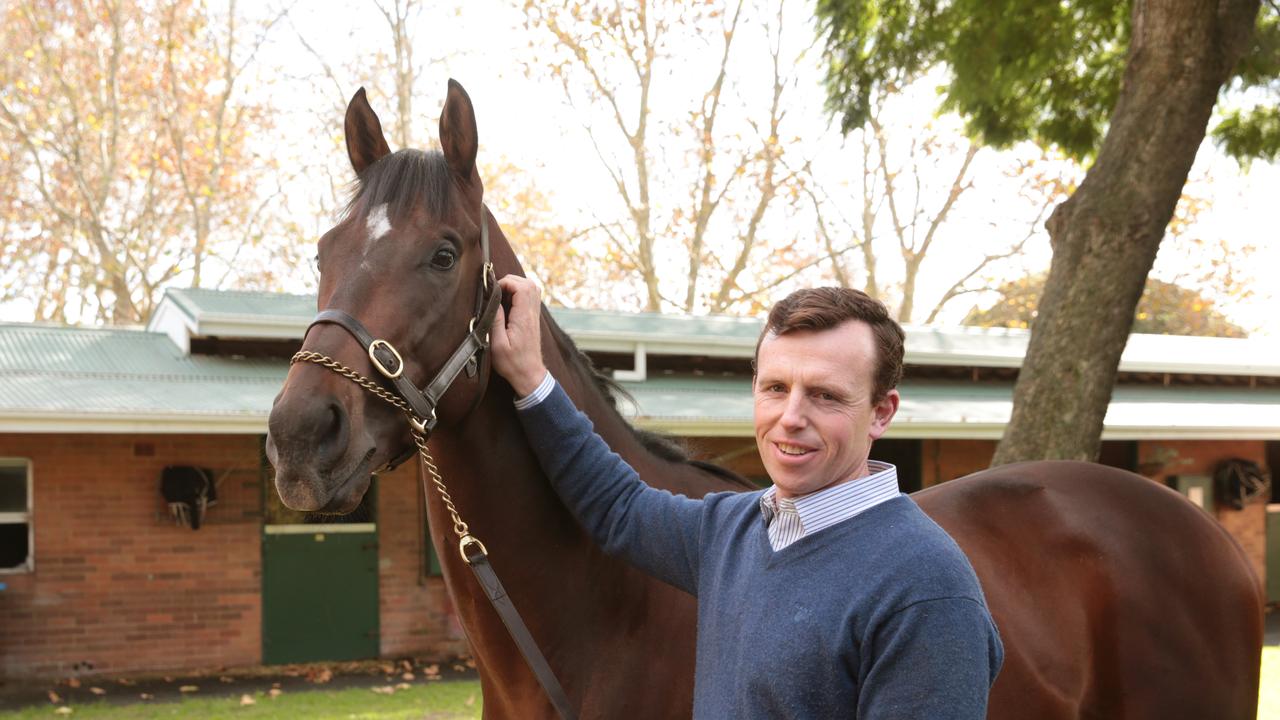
(458, 132)
(365, 143)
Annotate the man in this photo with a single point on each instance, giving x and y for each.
(830, 594)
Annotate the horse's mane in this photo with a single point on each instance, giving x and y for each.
(401, 180)
(664, 446)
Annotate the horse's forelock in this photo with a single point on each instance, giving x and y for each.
(402, 181)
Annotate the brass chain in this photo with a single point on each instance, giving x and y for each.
(352, 375)
(465, 538)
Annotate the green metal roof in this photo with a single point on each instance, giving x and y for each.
(938, 409)
(184, 314)
(200, 302)
(57, 378)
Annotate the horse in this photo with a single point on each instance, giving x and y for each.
(1114, 596)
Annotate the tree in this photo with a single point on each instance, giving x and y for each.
(544, 241)
(1148, 74)
(134, 156)
(696, 185)
(913, 175)
(1163, 309)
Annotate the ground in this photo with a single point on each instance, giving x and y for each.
(376, 690)
(277, 691)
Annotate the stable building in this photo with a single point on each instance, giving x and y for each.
(140, 530)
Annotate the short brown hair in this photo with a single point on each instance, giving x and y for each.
(826, 307)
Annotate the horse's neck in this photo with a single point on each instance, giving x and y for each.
(561, 583)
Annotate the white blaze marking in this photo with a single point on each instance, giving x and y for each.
(377, 224)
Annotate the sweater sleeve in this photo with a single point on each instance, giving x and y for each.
(934, 659)
(652, 529)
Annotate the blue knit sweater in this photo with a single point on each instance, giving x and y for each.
(877, 617)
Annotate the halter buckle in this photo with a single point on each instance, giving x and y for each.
(488, 273)
(377, 362)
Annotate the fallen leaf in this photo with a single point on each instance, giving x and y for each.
(407, 676)
(275, 692)
(433, 678)
(64, 710)
(459, 668)
(189, 688)
(146, 696)
(384, 690)
(168, 678)
(226, 679)
(471, 663)
(275, 685)
(403, 686)
(324, 675)
(125, 681)
(406, 665)
(247, 700)
(54, 697)
(388, 668)
(97, 691)
(471, 700)
(73, 682)
(431, 670)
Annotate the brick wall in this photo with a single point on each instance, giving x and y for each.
(1161, 459)
(117, 587)
(949, 459)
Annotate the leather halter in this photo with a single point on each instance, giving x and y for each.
(388, 361)
(419, 406)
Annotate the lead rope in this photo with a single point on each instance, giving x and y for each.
(479, 561)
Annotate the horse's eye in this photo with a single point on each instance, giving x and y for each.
(443, 259)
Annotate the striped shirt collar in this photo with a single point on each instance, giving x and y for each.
(824, 508)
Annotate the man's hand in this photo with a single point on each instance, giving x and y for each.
(516, 342)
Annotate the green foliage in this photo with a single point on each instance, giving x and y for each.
(1164, 309)
(1250, 134)
(1254, 132)
(1026, 69)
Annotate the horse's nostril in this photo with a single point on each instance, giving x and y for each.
(332, 440)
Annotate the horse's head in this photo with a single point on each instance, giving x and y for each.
(406, 263)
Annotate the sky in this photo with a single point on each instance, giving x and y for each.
(523, 117)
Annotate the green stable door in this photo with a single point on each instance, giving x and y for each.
(319, 593)
(319, 582)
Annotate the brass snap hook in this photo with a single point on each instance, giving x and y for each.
(467, 541)
(421, 426)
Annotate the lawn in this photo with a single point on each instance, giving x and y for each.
(1269, 698)
(437, 701)
(458, 700)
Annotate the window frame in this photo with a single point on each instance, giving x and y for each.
(22, 518)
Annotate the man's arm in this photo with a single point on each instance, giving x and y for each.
(934, 659)
(652, 529)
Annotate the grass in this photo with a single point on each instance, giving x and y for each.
(436, 701)
(1269, 697)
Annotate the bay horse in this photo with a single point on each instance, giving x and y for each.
(1114, 596)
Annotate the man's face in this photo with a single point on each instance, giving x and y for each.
(814, 418)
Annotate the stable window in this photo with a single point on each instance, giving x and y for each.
(15, 515)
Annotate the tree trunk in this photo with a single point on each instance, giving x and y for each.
(1105, 236)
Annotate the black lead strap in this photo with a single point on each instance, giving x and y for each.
(419, 405)
(501, 602)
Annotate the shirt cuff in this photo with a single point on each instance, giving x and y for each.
(539, 393)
